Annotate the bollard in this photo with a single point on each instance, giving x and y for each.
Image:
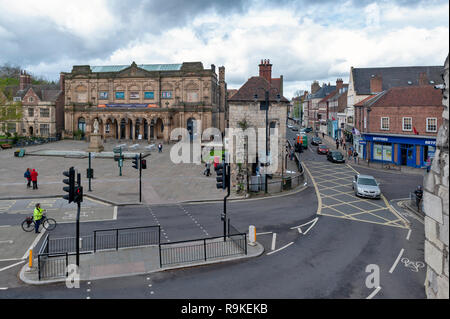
(252, 235)
(81, 242)
(30, 259)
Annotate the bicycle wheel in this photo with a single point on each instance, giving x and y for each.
(49, 224)
(27, 226)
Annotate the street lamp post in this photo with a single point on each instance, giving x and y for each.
(266, 98)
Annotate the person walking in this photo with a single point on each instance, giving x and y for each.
(428, 164)
(323, 135)
(34, 174)
(419, 194)
(37, 216)
(27, 175)
(337, 143)
(355, 155)
(159, 148)
(207, 171)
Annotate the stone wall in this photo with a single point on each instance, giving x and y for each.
(435, 202)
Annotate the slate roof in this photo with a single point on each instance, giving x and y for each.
(252, 86)
(394, 76)
(323, 91)
(45, 92)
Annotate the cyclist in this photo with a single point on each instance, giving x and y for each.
(37, 216)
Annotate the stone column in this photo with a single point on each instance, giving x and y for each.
(119, 131)
(435, 207)
(166, 123)
(127, 130)
(133, 130)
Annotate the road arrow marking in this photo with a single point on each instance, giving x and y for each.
(312, 222)
(280, 248)
(374, 293)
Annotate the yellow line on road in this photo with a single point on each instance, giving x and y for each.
(387, 205)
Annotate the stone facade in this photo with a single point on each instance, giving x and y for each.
(145, 101)
(435, 200)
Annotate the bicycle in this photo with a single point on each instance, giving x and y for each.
(48, 223)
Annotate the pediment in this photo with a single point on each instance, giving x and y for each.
(133, 71)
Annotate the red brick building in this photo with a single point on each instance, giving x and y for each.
(399, 125)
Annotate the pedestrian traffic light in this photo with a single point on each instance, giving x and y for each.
(135, 162)
(71, 182)
(220, 179)
(78, 194)
(143, 164)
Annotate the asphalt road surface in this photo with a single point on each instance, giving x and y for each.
(329, 257)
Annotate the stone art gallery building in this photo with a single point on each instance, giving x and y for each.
(146, 101)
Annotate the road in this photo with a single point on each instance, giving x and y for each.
(327, 258)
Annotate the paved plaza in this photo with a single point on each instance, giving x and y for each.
(163, 182)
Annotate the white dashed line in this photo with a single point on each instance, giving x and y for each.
(409, 234)
(396, 261)
(274, 239)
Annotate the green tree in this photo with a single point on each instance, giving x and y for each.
(10, 111)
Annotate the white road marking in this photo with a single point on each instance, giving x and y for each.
(396, 261)
(374, 293)
(272, 252)
(3, 288)
(274, 239)
(115, 213)
(36, 240)
(6, 242)
(409, 234)
(13, 265)
(266, 233)
(312, 222)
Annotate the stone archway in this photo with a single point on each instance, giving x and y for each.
(159, 128)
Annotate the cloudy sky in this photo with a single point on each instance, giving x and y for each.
(304, 40)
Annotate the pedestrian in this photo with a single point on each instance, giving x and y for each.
(428, 164)
(292, 153)
(27, 175)
(419, 193)
(159, 148)
(344, 146)
(323, 135)
(207, 171)
(349, 153)
(355, 155)
(34, 174)
(37, 216)
(337, 143)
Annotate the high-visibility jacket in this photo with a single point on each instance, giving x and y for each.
(37, 213)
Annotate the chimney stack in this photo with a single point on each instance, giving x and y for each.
(315, 87)
(265, 70)
(376, 84)
(423, 79)
(221, 74)
(339, 84)
(61, 82)
(23, 80)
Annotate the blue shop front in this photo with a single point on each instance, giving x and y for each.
(403, 150)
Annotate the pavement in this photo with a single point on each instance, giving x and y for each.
(374, 165)
(162, 182)
(128, 262)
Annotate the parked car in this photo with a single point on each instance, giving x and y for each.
(316, 141)
(294, 128)
(323, 149)
(308, 129)
(366, 186)
(335, 157)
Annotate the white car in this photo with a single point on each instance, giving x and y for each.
(366, 186)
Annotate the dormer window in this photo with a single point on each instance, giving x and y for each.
(30, 99)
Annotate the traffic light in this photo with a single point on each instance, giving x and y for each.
(220, 179)
(143, 164)
(71, 182)
(78, 194)
(136, 162)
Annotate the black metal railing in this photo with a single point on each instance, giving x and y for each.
(126, 237)
(201, 249)
(234, 231)
(52, 265)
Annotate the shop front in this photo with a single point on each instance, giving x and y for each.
(412, 151)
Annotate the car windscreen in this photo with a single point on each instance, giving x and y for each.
(367, 181)
(337, 155)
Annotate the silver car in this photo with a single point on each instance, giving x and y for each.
(366, 186)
